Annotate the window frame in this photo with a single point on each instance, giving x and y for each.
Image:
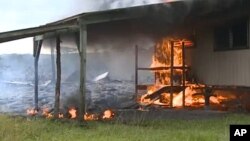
(229, 26)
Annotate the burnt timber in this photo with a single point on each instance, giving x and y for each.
(165, 89)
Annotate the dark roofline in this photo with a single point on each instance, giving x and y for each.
(70, 22)
(31, 32)
(161, 12)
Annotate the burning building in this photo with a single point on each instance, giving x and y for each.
(176, 54)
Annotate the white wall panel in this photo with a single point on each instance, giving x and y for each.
(219, 67)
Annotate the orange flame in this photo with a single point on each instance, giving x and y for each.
(46, 113)
(31, 111)
(89, 117)
(72, 112)
(189, 98)
(162, 59)
(60, 115)
(108, 114)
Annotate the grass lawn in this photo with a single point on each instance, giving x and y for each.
(21, 129)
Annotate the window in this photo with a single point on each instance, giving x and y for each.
(232, 37)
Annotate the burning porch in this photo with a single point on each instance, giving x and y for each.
(138, 58)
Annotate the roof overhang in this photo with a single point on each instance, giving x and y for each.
(164, 12)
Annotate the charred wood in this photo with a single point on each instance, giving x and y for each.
(165, 89)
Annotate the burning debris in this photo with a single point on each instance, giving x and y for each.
(31, 111)
(46, 112)
(108, 114)
(90, 117)
(171, 85)
(72, 114)
(60, 115)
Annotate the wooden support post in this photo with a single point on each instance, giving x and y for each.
(53, 79)
(155, 72)
(208, 92)
(83, 46)
(183, 74)
(58, 77)
(136, 71)
(77, 41)
(171, 73)
(37, 45)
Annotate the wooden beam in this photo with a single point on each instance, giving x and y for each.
(39, 37)
(171, 73)
(165, 89)
(207, 94)
(58, 77)
(83, 46)
(230, 88)
(183, 74)
(49, 35)
(162, 68)
(30, 32)
(155, 73)
(38, 46)
(136, 70)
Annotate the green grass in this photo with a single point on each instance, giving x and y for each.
(21, 129)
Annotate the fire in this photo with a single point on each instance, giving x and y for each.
(161, 62)
(60, 115)
(108, 114)
(49, 115)
(72, 112)
(89, 117)
(31, 111)
(46, 113)
(146, 101)
(162, 58)
(189, 98)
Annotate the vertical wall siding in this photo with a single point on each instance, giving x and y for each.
(219, 68)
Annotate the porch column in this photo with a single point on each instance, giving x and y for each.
(58, 76)
(83, 46)
(207, 94)
(37, 45)
(52, 53)
(136, 72)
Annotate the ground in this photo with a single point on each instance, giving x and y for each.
(211, 129)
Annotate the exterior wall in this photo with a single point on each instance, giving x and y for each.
(219, 68)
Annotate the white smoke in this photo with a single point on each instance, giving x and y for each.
(101, 5)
